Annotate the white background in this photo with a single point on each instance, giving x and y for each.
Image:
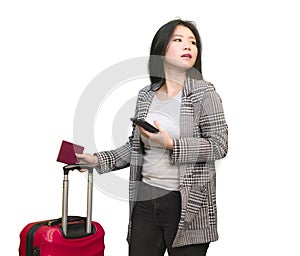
(51, 50)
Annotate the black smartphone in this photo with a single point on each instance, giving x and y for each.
(148, 127)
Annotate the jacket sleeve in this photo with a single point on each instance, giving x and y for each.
(212, 144)
(114, 159)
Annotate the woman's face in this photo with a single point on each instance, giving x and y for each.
(182, 50)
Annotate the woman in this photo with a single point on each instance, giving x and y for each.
(172, 172)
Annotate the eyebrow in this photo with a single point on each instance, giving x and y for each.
(192, 37)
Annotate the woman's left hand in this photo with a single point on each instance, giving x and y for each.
(162, 137)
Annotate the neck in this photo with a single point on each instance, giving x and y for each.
(174, 80)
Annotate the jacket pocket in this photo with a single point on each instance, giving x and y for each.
(197, 208)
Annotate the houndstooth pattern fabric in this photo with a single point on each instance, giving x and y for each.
(203, 139)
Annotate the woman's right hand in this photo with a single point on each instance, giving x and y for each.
(87, 159)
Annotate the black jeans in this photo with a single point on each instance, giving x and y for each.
(154, 225)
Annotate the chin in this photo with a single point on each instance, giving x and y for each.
(179, 64)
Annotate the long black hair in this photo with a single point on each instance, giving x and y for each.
(159, 47)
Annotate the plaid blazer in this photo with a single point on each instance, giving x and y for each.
(203, 139)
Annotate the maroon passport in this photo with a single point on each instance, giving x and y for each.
(67, 152)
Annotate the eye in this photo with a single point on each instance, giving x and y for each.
(177, 40)
(193, 42)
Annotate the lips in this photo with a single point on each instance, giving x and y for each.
(187, 55)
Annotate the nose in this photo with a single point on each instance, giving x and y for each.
(186, 46)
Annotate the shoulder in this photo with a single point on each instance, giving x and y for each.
(202, 86)
(145, 89)
(197, 88)
(149, 89)
(203, 91)
(143, 92)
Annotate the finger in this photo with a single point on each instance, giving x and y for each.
(83, 162)
(79, 155)
(156, 123)
(144, 132)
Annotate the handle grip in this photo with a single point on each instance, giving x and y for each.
(72, 167)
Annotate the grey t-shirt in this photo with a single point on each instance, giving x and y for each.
(157, 168)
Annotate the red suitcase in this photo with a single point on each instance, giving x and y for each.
(66, 236)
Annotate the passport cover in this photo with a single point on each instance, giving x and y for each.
(67, 152)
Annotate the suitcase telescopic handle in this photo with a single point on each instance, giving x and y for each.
(67, 169)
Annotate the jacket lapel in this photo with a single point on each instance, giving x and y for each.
(145, 104)
(146, 101)
(187, 109)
